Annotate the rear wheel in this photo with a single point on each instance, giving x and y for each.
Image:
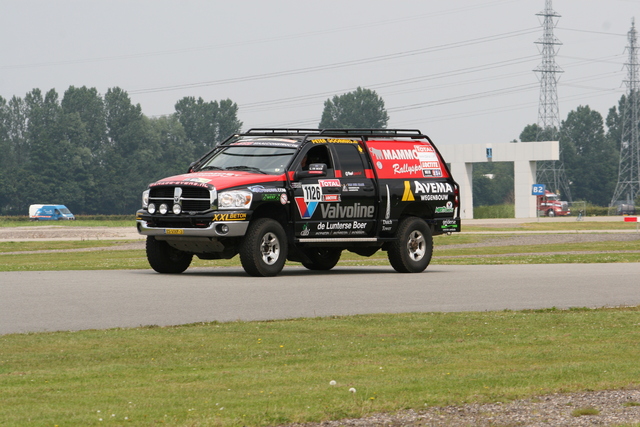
(165, 259)
(411, 251)
(264, 249)
(322, 258)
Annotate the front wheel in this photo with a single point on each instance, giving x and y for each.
(166, 259)
(264, 249)
(322, 258)
(411, 251)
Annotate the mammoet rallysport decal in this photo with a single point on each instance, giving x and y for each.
(405, 159)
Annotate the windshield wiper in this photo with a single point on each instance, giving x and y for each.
(207, 168)
(247, 168)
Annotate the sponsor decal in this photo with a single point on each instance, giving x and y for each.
(262, 189)
(334, 141)
(430, 165)
(433, 187)
(284, 199)
(312, 196)
(407, 196)
(427, 191)
(330, 197)
(282, 144)
(406, 168)
(230, 217)
(431, 172)
(415, 160)
(187, 183)
(449, 224)
(352, 186)
(341, 228)
(329, 182)
(204, 180)
(271, 197)
(355, 225)
(424, 149)
(337, 211)
(443, 209)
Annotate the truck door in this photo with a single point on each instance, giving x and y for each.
(313, 189)
(355, 210)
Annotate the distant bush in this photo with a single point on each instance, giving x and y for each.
(495, 211)
(106, 217)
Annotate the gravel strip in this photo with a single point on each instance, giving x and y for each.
(614, 408)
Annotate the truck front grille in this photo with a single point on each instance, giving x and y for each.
(193, 199)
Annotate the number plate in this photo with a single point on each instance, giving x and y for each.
(174, 231)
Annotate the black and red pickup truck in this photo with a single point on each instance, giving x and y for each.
(303, 195)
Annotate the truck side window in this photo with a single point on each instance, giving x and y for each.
(317, 154)
(350, 159)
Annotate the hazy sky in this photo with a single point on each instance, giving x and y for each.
(461, 71)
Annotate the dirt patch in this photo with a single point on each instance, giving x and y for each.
(59, 232)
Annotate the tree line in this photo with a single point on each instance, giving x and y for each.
(96, 154)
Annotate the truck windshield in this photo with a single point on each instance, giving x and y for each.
(252, 158)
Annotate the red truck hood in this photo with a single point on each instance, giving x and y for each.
(220, 179)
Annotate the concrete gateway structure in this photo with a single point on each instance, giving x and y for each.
(524, 156)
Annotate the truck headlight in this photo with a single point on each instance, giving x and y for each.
(236, 199)
(145, 198)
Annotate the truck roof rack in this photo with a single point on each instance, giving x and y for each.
(279, 131)
(413, 133)
(410, 133)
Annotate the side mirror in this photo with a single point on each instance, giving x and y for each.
(315, 170)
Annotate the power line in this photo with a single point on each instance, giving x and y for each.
(337, 65)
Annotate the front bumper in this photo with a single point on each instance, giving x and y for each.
(227, 224)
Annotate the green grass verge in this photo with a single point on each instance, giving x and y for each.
(269, 373)
(555, 226)
(81, 221)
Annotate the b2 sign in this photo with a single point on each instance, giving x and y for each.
(537, 189)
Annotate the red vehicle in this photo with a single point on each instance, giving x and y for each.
(551, 205)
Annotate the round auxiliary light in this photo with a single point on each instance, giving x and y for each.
(163, 209)
(177, 209)
(151, 208)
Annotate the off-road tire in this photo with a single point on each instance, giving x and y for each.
(264, 249)
(412, 250)
(165, 259)
(322, 258)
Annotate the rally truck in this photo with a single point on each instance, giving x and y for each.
(304, 195)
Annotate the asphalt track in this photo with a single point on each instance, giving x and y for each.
(76, 300)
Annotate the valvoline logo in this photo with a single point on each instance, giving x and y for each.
(306, 209)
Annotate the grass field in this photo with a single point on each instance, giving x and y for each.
(278, 372)
(270, 373)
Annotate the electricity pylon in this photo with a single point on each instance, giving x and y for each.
(628, 186)
(551, 173)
